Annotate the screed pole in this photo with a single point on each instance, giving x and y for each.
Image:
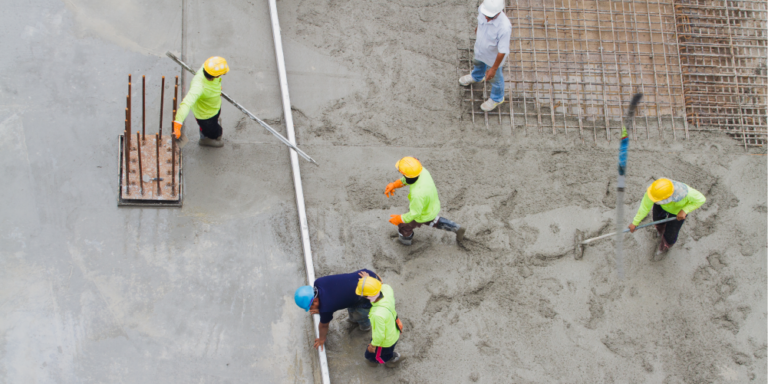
(326, 379)
(162, 95)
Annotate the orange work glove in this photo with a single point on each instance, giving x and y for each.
(395, 219)
(392, 186)
(177, 129)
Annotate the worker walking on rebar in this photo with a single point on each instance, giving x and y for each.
(332, 293)
(424, 202)
(385, 324)
(668, 197)
(491, 49)
(204, 99)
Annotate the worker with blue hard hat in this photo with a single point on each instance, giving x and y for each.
(332, 293)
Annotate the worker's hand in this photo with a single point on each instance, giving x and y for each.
(177, 129)
(390, 190)
(632, 228)
(371, 348)
(681, 215)
(363, 274)
(319, 343)
(490, 74)
(395, 219)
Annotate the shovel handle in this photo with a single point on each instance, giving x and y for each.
(627, 230)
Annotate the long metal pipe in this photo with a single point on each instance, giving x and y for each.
(249, 114)
(296, 176)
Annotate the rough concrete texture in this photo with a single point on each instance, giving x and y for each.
(92, 293)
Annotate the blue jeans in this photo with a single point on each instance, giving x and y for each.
(359, 313)
(497, 86)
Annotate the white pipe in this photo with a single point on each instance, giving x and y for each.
(296, 176)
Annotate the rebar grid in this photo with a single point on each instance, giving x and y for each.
(574, 65)
(723, 51)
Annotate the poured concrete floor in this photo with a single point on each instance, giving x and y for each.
(92, 293)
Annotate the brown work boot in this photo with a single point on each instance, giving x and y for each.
(208, 142)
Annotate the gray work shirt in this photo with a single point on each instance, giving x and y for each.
(492, 38)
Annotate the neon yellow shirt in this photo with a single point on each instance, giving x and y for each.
(384, 332)
(425, 205)
(204, 98)
(693, 200)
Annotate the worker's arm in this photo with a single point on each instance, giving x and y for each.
(491, 72)
(378, 330)
(195, 90)
(645, 207)
(694, 200)
(390, 190)
(415, 208)
(320, 341)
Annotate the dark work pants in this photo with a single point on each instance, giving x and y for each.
(406, 229)
(670, 228)
(210, 128)
(382, 355)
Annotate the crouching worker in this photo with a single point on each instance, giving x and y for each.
(668, 198)
(332, 293)
(385, 324)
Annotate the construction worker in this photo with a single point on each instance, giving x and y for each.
(668, 197)
(332, 293)
(204, 99)
(384, 321)
(424, 206)
(491, 49)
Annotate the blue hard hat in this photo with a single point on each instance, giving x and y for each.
(304, 297)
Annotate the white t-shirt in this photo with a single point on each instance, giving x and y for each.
(492, 38)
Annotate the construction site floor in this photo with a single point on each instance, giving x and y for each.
(92, 293)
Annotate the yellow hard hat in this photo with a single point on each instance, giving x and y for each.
(216, 66)
(660, 189)
(410, 167)
(372, 286)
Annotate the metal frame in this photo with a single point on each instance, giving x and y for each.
(146, 203)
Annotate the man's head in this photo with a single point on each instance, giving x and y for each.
(214, 67)
(491, 8)
(409, 166)
(305, 297)
(369, 287)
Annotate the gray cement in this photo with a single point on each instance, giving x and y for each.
(93, 293)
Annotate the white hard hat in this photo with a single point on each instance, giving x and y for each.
(492, 8)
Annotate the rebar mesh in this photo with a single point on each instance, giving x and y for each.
(724, 56)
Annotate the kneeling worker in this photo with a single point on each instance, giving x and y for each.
(424, 206)
(384, 321)
(204, 98)
(332, 293)
(668, 198)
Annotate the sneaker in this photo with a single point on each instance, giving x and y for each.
(405, 240)
(394, 361)
(460, 233)
(208, 142)
(468, 79)
(490, 105)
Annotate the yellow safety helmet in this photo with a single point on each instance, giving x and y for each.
(216, 66)
(660, 189)
(368, 286)
(410, 167)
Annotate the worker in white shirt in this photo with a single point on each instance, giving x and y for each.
(491, 49)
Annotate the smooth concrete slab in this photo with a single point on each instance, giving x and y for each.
(94, 293)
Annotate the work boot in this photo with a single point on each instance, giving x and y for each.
(490, 105)
(372, 364)
(394, 361)
(208, 142)
(448, 225)
(364, 329)
(405, 240)
(468, 80)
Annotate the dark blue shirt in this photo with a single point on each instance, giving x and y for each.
(337, 292)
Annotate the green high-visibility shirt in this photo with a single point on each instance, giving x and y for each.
(693, 200)
(384, 332)
(204, 98)
(425, 205)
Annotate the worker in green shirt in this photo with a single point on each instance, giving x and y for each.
(424, 206)
(668, 197)
(385, 325)
(204, 99)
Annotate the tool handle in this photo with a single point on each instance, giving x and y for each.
(653, 223)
